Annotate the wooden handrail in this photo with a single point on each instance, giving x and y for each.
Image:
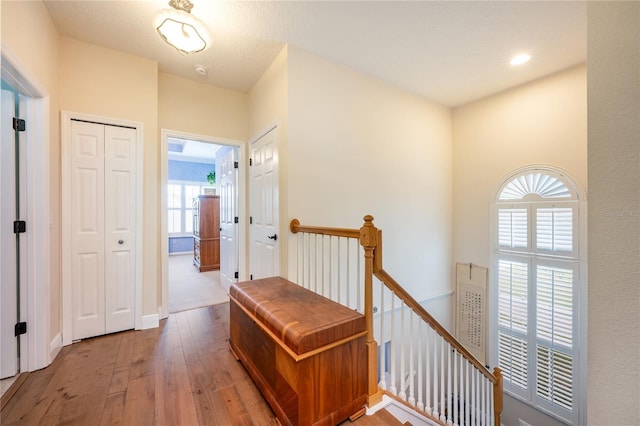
(295, 227)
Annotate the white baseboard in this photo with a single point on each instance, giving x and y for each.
(163, 312)
(55, 347)
(150, 321)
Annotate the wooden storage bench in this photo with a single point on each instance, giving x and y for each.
(306, 354)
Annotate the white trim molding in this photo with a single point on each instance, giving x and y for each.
(165, 134)
(149, 321)
(36, 302)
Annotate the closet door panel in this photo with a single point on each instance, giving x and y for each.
(87, 223)
(120, 200)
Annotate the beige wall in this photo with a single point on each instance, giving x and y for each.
(543, 122)
(614, 212)
(38, 51)
(360, 146)
(98, 81)
(268, 106)
(198, 108)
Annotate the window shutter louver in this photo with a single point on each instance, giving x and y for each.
(513, 228)
(555, 305)
(554, 230)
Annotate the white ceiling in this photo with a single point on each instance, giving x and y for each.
(452, 52)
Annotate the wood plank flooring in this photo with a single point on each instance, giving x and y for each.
(181, 373)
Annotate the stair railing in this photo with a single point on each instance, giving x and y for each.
(410, 355)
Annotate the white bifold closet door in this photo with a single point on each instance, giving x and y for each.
(103, 219)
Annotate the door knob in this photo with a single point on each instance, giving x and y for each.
(120, 241)
(273, 237)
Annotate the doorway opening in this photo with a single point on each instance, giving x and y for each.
(200, 199)
(37, 349)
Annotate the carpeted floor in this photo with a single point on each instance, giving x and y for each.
(189, 289)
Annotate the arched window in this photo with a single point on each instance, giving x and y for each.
(536, 289)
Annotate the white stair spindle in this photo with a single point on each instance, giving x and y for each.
(456, 378)
(339, 276)
(383, 346)
(420, 403)
(466, 393)
(392, 350)
(449, 402)
(403, 371)
(436, 376)
(443, 401)
(428, 352)
(412, 368)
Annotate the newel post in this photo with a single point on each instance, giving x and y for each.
(369, 242)
(497, 394)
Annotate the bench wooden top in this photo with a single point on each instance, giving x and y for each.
(303, 320)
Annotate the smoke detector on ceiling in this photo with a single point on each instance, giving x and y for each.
(200, 69)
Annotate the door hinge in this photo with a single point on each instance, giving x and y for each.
(250, 220)
(250, 162)
(236, 275)
(19, 226)
(235, 165)
(236, 219)
(21, 328)
(19, 125)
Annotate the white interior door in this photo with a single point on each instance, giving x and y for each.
(8, 294)
(227, 183)
(103, 221)
(263, 234)
(120, 199)
(87, 221)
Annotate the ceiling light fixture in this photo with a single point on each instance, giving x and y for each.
(181, 30)
(520, 59)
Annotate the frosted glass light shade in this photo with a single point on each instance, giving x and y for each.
(181, 35)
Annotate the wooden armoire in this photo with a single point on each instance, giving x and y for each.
(206, 232)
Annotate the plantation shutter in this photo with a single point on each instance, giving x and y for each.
(513, 228)
(554, 319)
(554, 230)
(513, 320)
(537, 266)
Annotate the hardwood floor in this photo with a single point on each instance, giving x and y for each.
(181, 373)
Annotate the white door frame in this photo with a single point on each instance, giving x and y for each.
(65, 142)
(40, 349)
(165, 134)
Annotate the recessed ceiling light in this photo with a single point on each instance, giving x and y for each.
(520, 59)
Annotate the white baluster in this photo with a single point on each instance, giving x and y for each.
(490, 406)
(392, 350)
(420, 404)
(359, 281)
(456, 378)
(339, 288)
(412, 369)
(466, 393)
(436, 376)
(383, 352)
(449, 396)
(429, 406)
(348, 275)
(403, 372)
(443, 401)
(474, 397)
